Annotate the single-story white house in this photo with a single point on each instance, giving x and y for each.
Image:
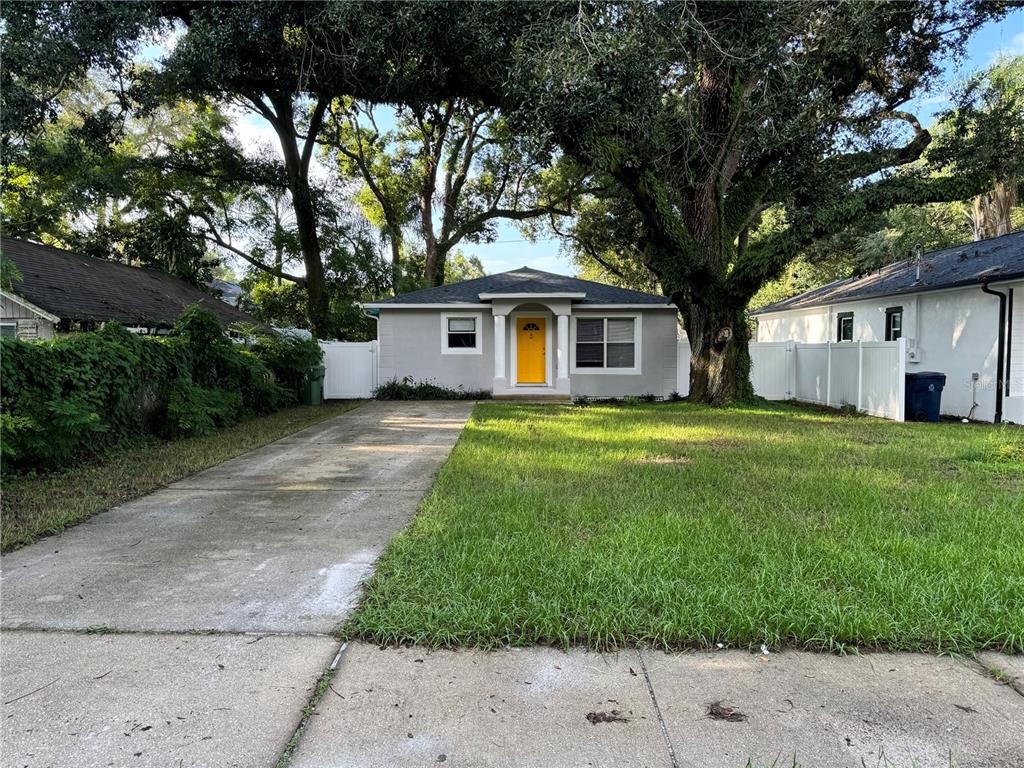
(956, 309)
(530, 334)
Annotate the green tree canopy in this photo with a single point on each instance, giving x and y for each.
(703, 116)
(443, 175)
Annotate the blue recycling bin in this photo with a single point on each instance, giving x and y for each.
(924, 395)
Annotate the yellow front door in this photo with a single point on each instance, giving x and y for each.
(530, 350)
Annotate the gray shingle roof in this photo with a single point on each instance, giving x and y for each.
(525, 280)
(83, 288)
(1000, 258)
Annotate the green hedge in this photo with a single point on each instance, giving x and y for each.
(409, 389)
(82, 393)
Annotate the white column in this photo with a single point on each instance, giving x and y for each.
(563, 347)
(499, 346)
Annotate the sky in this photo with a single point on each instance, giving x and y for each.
(511, 250)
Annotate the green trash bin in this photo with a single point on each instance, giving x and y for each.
(313, 385)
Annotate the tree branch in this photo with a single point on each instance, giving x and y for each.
(315, 121)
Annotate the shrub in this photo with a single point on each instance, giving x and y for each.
(408, 389)
(195, 410)
(288, 358)
(82, 393)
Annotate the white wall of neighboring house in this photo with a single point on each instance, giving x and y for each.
(28, 323)
(952, 331)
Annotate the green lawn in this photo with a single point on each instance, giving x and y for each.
(35, 505)
(676, 525)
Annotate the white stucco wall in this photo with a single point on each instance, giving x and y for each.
(955, 332)
(410, 345)
(1017, 344)
(658, 355)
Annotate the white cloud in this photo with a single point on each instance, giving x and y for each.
(1014, 48)
(253, 132)
(258, 138)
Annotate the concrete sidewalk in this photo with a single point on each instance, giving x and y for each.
(263, 555)
(542, 708)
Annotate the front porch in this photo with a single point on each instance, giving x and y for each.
(531, 348)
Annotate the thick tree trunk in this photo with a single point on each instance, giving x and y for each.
(719, 356)
(317, 305)
(296, 164)
(394, 237)
(433, 272)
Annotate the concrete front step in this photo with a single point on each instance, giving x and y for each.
(566, 399)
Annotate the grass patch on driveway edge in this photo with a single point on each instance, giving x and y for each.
(678, 526)
(36, 505)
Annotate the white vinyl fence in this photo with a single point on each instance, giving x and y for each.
(868, 375)
(351, 369)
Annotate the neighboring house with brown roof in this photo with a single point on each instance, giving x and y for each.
(62, 291)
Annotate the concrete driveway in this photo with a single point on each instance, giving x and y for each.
(191, 626)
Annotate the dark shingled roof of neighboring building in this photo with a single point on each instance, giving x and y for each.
(82, 288)
(1000, 258)
(525, 280)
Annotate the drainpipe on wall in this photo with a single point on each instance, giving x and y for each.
(1000, 350)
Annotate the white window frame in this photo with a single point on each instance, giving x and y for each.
(840, 317)
(13, 325)
(604, 371)
(890, 313)
(477, 350)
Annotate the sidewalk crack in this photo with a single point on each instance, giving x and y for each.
(993, 672)
(322, 684)
(657, 710)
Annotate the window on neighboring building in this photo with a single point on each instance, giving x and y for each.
(844, 326)
(893, 323)
(9, 330)
(461, 333)
(606, 342)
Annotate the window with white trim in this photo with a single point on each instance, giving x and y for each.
(606, 342)
(9, 330)
(460, 334)
(893, 323)
(844, 326)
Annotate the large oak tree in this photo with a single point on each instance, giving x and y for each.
(702, 116)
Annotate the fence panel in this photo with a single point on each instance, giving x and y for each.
(868, 375)
(882, 378)
(811, 375)
(769, 369)
(844, 375)
(683, 367)
(351, 369)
